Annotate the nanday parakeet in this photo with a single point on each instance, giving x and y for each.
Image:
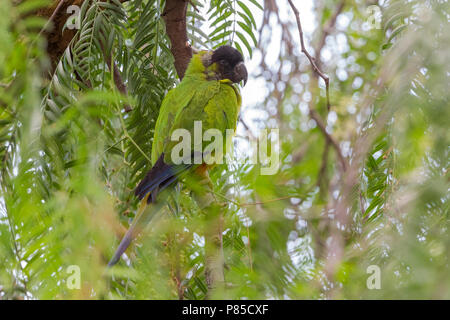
(208, 94)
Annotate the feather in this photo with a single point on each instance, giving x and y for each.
(158, 178)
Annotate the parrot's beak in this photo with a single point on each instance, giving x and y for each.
(240, 72)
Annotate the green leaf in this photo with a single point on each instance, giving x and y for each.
(245, 42)
(248, 13)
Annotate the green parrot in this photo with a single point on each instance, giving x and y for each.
(208, 94)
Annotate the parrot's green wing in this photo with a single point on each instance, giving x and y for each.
(175, 100)
(215, 103)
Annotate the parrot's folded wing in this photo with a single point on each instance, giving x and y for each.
(158, 178)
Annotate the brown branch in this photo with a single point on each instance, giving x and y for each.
(57, 40)
(52, 17)
(247, 128)
(264, 202)
(315, 116)
(326, 30)
(310, 58)
(323, 167)
(174, 15)
(312, 112)
(120, 85)
(118, 81)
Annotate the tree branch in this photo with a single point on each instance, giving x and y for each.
(312, 112)
(315, 116)
(310, 58)
(118, 81)
(57, 41)
(326, 30)
(174, 15)
(52, 17)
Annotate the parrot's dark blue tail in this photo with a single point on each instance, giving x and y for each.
(121, 249)
(157, 179)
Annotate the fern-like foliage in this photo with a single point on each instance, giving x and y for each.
(229, 22)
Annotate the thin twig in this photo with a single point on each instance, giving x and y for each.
(118, 81)
(327, 29)
(125, 132)
(323, 166)
(252, 203)
(249, 248)
(247, 128)
(194, 6)
(310, 58)
(315, 116)
(52, 17)
(174, 15)
(264, 202)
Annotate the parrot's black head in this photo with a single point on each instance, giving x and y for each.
(230, 64)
